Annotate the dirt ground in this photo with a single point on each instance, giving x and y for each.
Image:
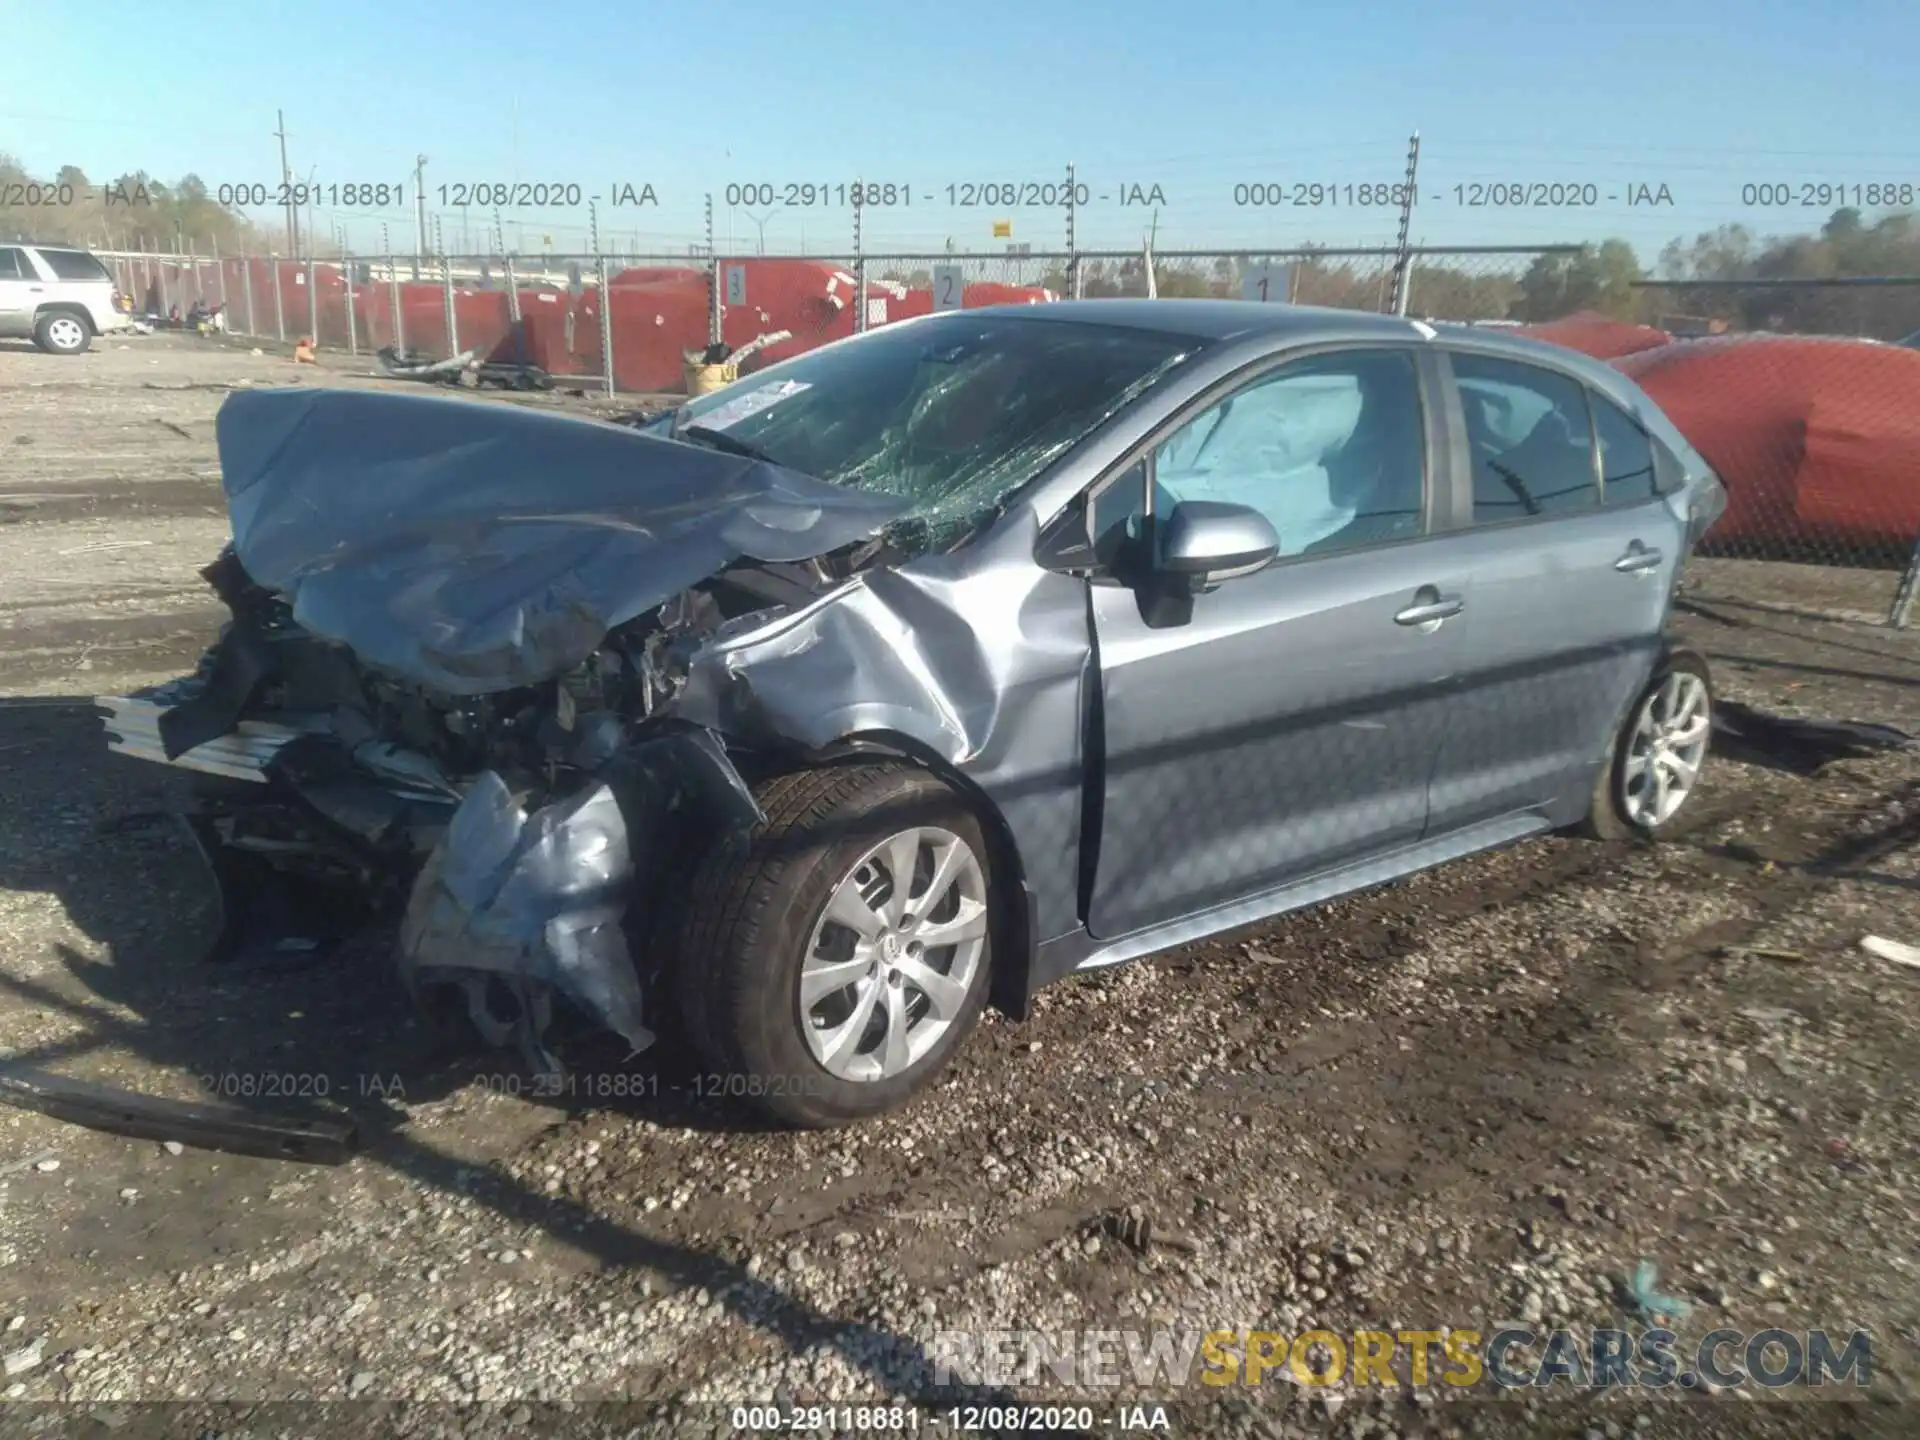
(1482, 1096)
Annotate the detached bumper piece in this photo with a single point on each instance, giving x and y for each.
(306, 834)
(522, 906)
(133, 728)
(526, 905)
(154, 1117)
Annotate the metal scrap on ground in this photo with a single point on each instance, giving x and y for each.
(155, 1117)
(1894, 950)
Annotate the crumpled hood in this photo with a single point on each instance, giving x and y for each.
(476, 547)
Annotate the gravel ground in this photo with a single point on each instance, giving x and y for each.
(1482, 1096)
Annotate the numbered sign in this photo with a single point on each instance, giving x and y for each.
(736, 290)
(1266, 284)
(949, 287)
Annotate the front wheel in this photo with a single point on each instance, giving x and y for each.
(830, 967)
(1658, 755)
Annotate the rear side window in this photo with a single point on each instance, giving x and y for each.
(1531, 440)
(74, 265)
(13, 264)
(1627, 475)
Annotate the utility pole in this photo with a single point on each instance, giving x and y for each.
(420, 203)
(286, 186)
(313, 242)
(1073, 242)
(1153, 278)
(1403, 258)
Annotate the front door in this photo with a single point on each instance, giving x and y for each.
(1291, 720)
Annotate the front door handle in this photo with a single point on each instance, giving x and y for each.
(1637, 560)
(1429, 608)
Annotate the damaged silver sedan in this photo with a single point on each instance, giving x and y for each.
(908, 676)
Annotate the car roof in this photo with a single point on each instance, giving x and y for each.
(1272, 326)
(1213, 319)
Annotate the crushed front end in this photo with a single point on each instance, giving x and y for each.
(446, 692)
(507, 832)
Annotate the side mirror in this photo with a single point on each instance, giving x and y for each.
(1208, 541)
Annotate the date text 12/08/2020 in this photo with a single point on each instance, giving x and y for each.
(1361, 194)
(996, 1419)
(637, 1085)
(961, 195)
(597, 1085)
(461, 195)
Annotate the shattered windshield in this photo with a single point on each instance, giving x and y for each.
(954, 413)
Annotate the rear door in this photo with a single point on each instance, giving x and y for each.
(79, 278)
(1289, 722)
(17, 298)
(1572, 557)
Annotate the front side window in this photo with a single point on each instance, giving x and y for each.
(954, 413)
(1331, 450)
(13, 264)
(1531, 440)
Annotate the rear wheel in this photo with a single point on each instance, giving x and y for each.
(1659, 754)
(61, 332)
(832, 966)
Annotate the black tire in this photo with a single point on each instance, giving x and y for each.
(58, 338)
(1608, 817)
(750, 913)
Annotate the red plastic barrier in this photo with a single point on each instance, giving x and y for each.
(659, 313)
(1598, 335)
(1816, 439)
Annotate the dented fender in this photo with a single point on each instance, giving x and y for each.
(980, 668)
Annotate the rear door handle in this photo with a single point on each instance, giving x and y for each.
(1637, 559)
(1430, 607)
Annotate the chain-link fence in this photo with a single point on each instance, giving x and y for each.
(1793, 393)
(1818, 438)
(546, 311)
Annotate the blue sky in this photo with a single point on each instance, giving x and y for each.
(1703, 97)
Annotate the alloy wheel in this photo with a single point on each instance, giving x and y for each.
(1668, 747)
(894, 955)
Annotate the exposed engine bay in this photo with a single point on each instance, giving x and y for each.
(331, 795)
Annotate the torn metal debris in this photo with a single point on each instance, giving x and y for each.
(515, 897)
(466, 368)
(155, 1117)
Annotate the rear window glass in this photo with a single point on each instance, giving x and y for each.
(1626, 456)
(74, 265)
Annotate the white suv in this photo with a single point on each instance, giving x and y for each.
(60, 296)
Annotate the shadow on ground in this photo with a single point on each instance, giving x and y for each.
(97, 831)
